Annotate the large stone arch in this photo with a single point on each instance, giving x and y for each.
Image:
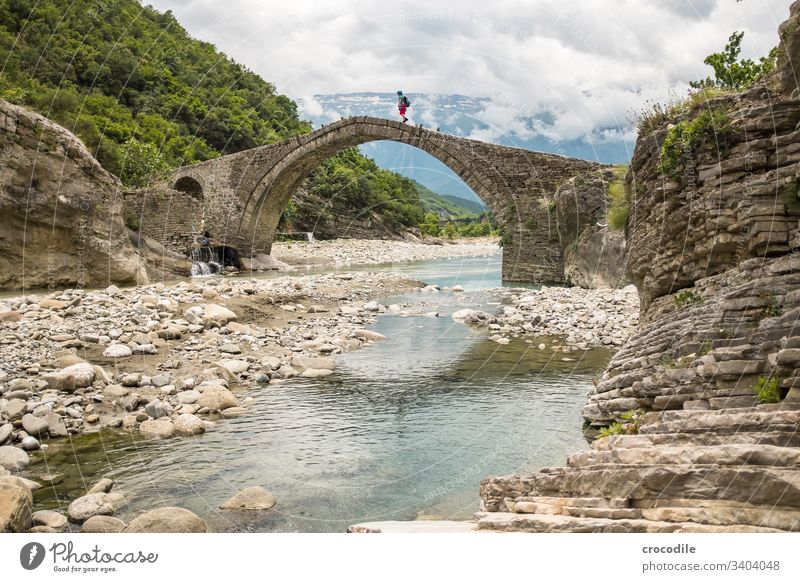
(246, 192)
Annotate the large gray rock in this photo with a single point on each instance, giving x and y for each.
(89, 505)
(189, 425)
(252, 498)
(167, 520)
(158, 409)
(103, 524)
(217, 314)
(49, 518)
(75, 208)
(162, 428)
(13, 459)
(217, 398)
(34, 425)
(16, 503)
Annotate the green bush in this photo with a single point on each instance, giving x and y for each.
(767, 390)
(687, 297)
(684, 140)
(772, 308)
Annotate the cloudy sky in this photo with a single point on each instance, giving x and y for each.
(558, 69)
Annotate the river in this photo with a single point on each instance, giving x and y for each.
(405, 429)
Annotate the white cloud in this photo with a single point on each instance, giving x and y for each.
(582, 66)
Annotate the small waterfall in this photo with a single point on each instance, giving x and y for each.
(310, 236)
(204, 262)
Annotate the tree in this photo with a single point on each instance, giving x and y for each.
(730, 73)
(140, 163)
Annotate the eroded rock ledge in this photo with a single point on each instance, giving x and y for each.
(712, 251)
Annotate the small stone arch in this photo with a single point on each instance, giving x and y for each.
(190, 186)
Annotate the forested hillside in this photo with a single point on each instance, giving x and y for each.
(134, 86)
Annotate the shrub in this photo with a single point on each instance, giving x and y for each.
(687, 297)
(772, 308)
(685, 139)
(140, 163)
(630, 422)
(767, 390)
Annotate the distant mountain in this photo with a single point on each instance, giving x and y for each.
(460, 115)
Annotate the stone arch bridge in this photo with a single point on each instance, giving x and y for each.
(239, 197)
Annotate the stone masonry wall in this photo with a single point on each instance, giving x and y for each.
(245, 193)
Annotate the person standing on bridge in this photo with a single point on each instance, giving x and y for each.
(402, 105)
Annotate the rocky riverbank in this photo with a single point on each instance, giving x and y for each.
(343, 251)
(583, 318)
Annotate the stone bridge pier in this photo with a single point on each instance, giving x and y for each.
(241, 196)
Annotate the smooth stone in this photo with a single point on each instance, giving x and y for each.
(303, 363)
(115, 391)
(217, 398)
(5, 432)
(188, 397)
(34, 425)
(49, 518)
(102, 486)
(13, 459)
(160, 380)
(217, 314)
(89, 505)
(103, 524)
(162, 428)
(167, 520)
(235, 366)
(189, 425)
(30, 443)
(251, 499)
(158, 409)
(117, 351)
(16, 408)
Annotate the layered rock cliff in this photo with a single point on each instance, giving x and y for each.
(60, 211)
(594, 253)
(703, 403)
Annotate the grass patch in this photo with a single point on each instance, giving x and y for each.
(767, 390)
(618, 210)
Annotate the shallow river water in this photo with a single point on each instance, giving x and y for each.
(406, 428)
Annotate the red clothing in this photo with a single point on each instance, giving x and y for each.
(402, 110)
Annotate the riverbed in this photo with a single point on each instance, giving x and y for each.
(405, 429)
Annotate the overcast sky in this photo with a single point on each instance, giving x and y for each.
(564, 69)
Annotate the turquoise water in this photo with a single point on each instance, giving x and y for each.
(405, 428)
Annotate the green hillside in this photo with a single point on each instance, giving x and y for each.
(446, 206)
(134, 86)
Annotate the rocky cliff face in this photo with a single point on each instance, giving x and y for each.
(594, 254)
(704, 401)
(60, 212)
